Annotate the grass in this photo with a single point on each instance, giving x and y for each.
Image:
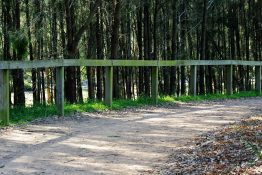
(24, 115)
(216, 96)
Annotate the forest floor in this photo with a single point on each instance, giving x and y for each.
(128, 142)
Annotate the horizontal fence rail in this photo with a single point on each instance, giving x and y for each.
(60, 64)
(121, 63)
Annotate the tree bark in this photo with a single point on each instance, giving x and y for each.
(115, 45)
(18, 75)
(203, 48)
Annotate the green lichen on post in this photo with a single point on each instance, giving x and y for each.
(109, 86)
(229, 79)
(193, 81)
(60, 102)
(154, 86)
(4, 119)
(258, 80)
(4, 97)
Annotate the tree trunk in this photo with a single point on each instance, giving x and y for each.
(141, 86)
(203, 48)
(99, 53)
(18, 75)
(174, 48)
(147, 46)
(115, 44)
(183, 46)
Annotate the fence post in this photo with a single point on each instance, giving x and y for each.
(109, 86)
(193, 81)
(60, 94)
(4, 97)
(229, 79)
(258, 79)
(154, 85)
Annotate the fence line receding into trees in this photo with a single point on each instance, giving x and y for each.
(59, 64)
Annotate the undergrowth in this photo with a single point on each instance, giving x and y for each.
(24, 115)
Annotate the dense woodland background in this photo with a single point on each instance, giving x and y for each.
(129, 29)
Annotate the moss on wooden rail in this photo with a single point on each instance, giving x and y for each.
(59, 64)
(116, 63)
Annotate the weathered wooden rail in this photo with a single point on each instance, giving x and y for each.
(59, 64)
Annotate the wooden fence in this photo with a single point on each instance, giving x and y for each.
(59, 64)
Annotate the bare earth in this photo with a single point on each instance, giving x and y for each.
(128, 142)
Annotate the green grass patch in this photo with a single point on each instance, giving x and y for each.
(217, 96)
(21, 115)
(24, 115)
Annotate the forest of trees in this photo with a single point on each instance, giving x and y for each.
(129, 29)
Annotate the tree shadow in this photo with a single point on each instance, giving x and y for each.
(131, 142)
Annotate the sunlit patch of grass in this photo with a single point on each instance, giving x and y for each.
(21, 115)
(85, 107)
(167, 99)
(216, 96)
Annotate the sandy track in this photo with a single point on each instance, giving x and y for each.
(116, 143)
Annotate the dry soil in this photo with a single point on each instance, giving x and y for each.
(127, 142)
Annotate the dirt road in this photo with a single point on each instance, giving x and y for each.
(114, 143)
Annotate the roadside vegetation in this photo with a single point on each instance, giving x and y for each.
(27, 114)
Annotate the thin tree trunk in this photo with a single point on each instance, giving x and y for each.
(99, 53)
(18, 75)
(115, 45)
(147, 46)
(203, 48)
(141, 88)
(174, 48)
